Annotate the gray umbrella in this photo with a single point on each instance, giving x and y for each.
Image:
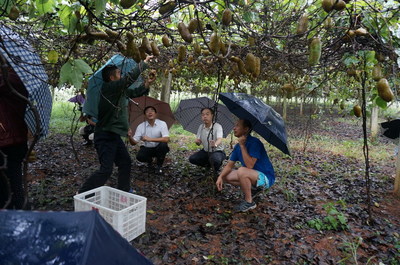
(189, 114)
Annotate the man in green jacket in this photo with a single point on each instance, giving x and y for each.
(113, 123)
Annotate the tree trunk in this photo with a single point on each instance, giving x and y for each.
(166, 88)
(396, 189)
(301, 104)
(284, 111)
(374, 123)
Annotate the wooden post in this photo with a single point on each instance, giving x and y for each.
(374, 123)
(397, 179)
(284, 111)
(166, 88)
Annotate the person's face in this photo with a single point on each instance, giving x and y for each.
(150, 114)
(116, 76)
(239, 130)
(206, 116)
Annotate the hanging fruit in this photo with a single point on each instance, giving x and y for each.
(146, 45)
(303, 24)
(197, 48)
(357, 111)
(226, 17)
(167, 7)
(127, 3)
(214, 43)
(181, 53)
(52, 57)
(250, 63)
(384, 90)
(377, 72)
(184, 32)
(14, 13)
(340, 5)
(315, 52)
(154, 49)
(327, 5)
(165, 41)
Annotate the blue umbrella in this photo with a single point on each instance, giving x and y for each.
(265, 120)
(90, 107)
(29, 68)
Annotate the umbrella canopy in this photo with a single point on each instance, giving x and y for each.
(265, 120)
(96, 82)
(29, 68)
(77, 99)
(137, 105)
(189, 114)
(63, 238)
(391, 129)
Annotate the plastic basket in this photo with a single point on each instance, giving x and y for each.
(124, 211)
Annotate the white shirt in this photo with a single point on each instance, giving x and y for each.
(205, 136)
(159, 129)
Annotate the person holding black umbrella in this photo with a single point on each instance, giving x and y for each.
(113, 123)
(256, 172)
(209, 134)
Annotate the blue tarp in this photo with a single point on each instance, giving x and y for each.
(62, 238)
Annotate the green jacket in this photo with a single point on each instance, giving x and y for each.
(113, 105)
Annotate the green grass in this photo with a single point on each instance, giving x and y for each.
(61, 117)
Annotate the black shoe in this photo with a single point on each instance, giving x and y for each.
(256, 191)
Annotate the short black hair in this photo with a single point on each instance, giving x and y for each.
(108, 71)
(149, 107)
(210, 109)
(247, 124)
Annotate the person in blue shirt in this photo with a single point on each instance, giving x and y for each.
(256, 172)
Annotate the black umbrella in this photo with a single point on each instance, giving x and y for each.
(391, 129)
(189, 114)
(264, 119)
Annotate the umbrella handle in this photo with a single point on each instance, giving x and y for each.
(134, 102)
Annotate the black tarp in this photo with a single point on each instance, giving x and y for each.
(28, 237)
(391, 128)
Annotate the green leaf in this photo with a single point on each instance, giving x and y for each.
(100, 6)
(342, 219)
(248, 16)
(83, 66)
(45, 6)
(65, 73)
(380, 102)
(68, 18)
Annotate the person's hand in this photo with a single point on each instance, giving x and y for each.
(145, 138)
(242, 139)
(130, 134)
(219, 183)
(148, 58)
(198, 141)
(212, 144)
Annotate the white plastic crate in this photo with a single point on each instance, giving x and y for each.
(124, 211)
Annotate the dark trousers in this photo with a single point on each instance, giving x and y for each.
(110, 149)
(146, 154)
(204, 159)
(15, 156)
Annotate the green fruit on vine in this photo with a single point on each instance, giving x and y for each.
(166, 8)
(303, 24)
(146, 45)
(357, 111)
(197, 48)
(377, 72)
(52, 57)
(127, 3)
(181, 53)
(384, 90)
(14, 13)
(315, 52)
(226, 17)
(214, 43)
(340, 5)
(250, 63)
(184, 32)
(328, 23)
(194, 25)
(154, 49)
(327, 5)
(165, 41)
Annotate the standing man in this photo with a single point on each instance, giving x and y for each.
(210, 136)
(13, 137)
(155, 135)
(113, 124)
(256, 172)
